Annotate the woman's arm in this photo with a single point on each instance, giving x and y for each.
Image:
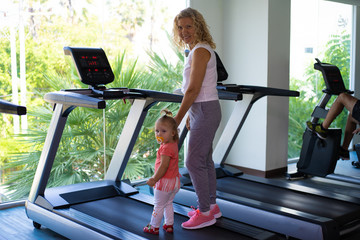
(164, 165)
(200, 59)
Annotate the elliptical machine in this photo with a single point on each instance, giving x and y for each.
(318, 157)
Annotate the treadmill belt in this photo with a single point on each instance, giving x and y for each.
(344, 188)
(335, 209)
(133, 216)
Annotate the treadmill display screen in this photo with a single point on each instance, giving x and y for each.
(92, 65)
(90, 61)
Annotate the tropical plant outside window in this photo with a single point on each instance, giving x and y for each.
(319, 29)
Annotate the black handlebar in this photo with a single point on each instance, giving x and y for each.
(11, 108)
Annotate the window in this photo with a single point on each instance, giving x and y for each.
(32, 37)
(319, 29)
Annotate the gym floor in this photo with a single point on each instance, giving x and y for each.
(342, 167)
(15, 224)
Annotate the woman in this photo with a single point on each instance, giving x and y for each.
(201, 100)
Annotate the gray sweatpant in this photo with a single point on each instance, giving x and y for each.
(205, 118)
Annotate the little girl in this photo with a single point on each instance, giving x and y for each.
(166, 180)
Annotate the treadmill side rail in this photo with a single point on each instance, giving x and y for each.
(232, 129)
(128, 138)
(48, 153)
(242, 108)
(90, 228)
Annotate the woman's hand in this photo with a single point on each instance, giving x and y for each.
(188, 123)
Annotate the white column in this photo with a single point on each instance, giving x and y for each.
(254, 38)
(23, 92)
(14, 77)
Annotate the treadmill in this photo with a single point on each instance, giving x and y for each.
(297, 211)
(334, 186)
(111, 208)
(11, 108)
(337, 188)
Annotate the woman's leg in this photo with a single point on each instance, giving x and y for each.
(343, 100)
(349, 129)
(204, 121)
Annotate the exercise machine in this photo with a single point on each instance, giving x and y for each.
(272, 204)
(111, 208)
(318, 157)
(11, 108)
(15, 109)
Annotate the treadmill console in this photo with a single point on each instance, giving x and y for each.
(332, 77)
(92, 65)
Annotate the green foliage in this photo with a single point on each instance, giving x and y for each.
(80, 156)
(337, 52)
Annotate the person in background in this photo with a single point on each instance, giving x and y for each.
(166, 180)
(201, 101)
(352, 104)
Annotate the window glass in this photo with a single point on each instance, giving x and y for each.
(319, 29)
(134, 35)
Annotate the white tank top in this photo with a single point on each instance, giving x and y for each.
(208, 90)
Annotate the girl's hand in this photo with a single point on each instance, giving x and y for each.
(151, 182)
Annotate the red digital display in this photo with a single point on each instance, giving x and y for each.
(93, 66)
(90, 61)
(93, 63)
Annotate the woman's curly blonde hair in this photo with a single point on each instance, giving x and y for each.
(202, 33)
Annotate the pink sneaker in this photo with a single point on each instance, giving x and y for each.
(199, 220)
(215, 212)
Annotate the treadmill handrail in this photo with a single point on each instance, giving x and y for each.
(160, 96)
(11, 108)
(89, 98)
(228, 95)
(223, 94)
(266, 91)
(230, 132)
(74, 99)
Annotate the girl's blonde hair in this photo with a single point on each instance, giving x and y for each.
(202, 33)
(167, 117)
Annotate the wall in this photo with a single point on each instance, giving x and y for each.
(253, 40)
